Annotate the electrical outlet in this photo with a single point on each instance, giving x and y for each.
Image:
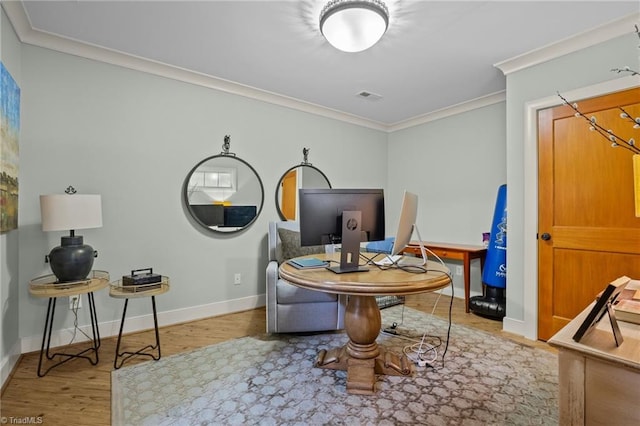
(237, 278)
(75, 302)
(458, 270)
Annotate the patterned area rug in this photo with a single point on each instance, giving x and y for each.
(270, 380)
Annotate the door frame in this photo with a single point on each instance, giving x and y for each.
(529, 328)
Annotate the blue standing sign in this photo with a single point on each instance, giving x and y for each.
(495, 266)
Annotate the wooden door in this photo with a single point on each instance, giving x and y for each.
(289, 195)
(585, 207)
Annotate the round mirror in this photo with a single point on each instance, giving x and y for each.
(300, 176)
(223, 193)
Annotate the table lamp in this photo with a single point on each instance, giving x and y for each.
(72, 260)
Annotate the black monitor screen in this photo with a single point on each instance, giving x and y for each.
(209, 214)
(238, 216)
(321, 214)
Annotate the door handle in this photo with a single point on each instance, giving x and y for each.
(546, 236)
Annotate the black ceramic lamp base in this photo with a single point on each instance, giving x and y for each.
(72, 260)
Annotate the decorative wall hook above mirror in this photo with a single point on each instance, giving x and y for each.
(303, 175)
(223, 193)
(226, 145)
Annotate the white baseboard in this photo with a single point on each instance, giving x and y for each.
(508, 324)
(145, 322)
(8, 363)
(515, 326)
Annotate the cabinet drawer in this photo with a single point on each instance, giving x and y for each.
(440, 252)
(447, 254)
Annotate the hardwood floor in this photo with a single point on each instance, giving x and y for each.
(77, 393)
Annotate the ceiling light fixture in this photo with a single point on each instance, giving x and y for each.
(354, 25)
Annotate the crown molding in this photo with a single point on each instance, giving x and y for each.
(26, 34)
(480, 102)
(571, 44)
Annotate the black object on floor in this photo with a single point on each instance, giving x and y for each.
(491, 304)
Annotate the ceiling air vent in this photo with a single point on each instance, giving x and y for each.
(369, 96)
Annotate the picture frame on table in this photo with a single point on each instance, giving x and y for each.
(604, 305)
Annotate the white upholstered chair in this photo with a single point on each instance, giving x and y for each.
(291, 309)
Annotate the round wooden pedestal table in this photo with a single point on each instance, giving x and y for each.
(361, 357)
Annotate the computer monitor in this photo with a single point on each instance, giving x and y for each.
(346, 216)
(404, 232)
(239, 216)
(209, 214)
(406, 223)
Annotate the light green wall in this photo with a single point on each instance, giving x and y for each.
(455, 166)
(133, 137)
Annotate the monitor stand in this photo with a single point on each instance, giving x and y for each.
(423, 250)
(350, 251)
(399, 260)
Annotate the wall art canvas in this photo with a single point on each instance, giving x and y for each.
(10, 132)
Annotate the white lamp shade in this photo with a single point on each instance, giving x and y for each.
(64, 212)
(350, 27)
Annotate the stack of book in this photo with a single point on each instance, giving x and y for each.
(308, 263)
(627, 308)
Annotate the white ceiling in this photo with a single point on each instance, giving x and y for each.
(434, 54)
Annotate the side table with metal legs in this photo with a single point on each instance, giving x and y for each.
(47, 286)
(120, 291)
